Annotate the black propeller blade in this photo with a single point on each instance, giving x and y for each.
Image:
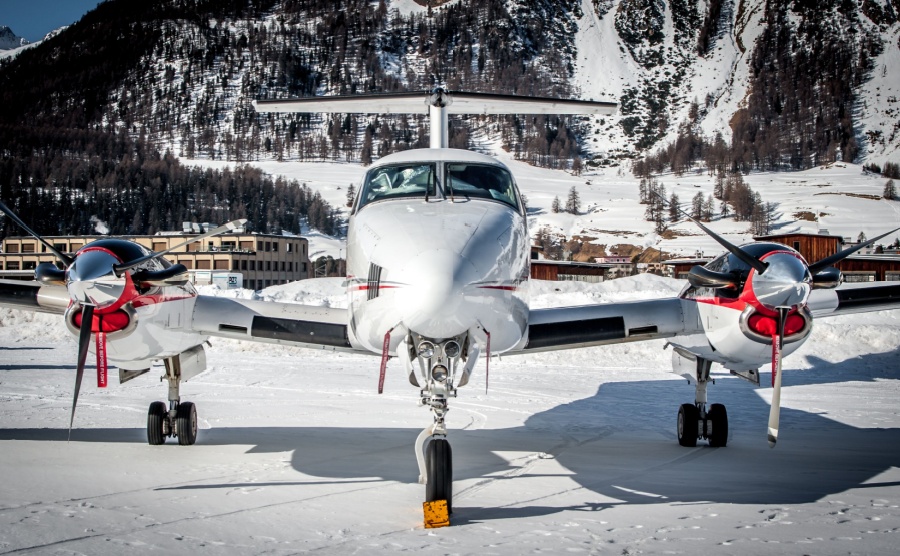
(233, 225)
(841, 255)
(67, 260)
(84, 337)
(777, 346)
(747, 258)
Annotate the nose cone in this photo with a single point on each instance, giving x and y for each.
(433, 301)
(91, 279)
(785, 282)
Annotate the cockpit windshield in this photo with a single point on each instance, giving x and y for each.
(434, 181)
(400, 181)
(480, 181)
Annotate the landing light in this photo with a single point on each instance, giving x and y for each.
(426, 350)
(452, 349)
(439, 373)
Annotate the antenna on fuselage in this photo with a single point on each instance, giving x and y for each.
(440, 104)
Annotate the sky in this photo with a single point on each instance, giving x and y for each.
(32, 19)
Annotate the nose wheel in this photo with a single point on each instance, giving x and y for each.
(439, 469)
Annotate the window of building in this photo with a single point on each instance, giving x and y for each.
(268, 265)
(12, 265)
(221, 264)
(244, 264)
(235, 265)
(259, 246)
(275, 246)
(28, 265)
(252, 265)
(290, 266)
(304, 267)
(204, 265)
(188, 264)
(892, 276)
(859, 276)
(1, 265)
(61, 247)
(796, 245)
(282, 266)
(247, 245)
(27, 247)
(289, 247)
(12, 247)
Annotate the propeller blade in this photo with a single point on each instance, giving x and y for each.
(229, 226)
(84, 337)
(841, 255)
(747, 258)
(775, 409)
(67, 260)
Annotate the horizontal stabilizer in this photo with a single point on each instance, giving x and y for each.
(419, 102)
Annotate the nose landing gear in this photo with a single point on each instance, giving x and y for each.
(438, 362)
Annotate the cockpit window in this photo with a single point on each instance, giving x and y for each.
(481, 181)
(396, 182)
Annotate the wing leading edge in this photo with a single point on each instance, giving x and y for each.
(608, 323)
(273, 322)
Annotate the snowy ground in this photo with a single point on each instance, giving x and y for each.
(567, 452)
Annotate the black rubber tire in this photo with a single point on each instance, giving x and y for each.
(156, 422)
(688, 418)
(186, 424)
(439, 465)
(719, 419)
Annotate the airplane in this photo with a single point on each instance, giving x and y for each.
(438, 266)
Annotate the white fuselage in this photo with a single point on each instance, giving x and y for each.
(439, 266)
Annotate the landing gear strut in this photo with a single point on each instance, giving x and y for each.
(438, 363)
(180, 419)
(695, 421)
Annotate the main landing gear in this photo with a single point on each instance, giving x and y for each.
(695, 421)
(180, 419)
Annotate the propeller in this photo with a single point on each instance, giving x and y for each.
(84, 338)
(97, 280)
(777, 347)
(782, 283)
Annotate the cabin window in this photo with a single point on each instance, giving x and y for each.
(398, 182)
(859, 276)
(481, 181)
(892, 276)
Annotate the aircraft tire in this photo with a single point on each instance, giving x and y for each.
(719, 418)
(439, 465)
(156, 419)
(688, 417)
(186, 423)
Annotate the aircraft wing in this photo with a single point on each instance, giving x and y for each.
(33, 296)
(272, 322)
(608, 323)
(855, 298)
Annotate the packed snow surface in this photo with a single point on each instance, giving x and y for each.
(571, 451)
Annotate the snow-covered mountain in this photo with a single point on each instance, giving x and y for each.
(752, 85)
(9, 40)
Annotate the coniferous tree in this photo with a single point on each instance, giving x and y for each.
(573, 201)
(890, 190)
(674, 214)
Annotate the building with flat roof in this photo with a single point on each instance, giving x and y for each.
(262, 259)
